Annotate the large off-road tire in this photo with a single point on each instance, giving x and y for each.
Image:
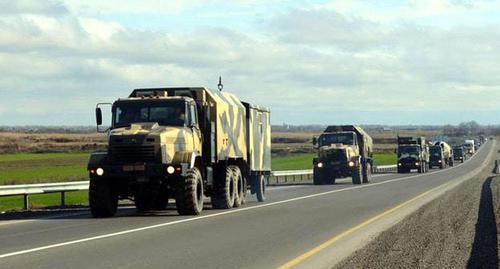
(259, 185)
(318, 178)
(189, 193)
(239, 195)
(367, 173)
(225, 190)
(357, 175)
(452, 162)
(103, 201)
(400, 170)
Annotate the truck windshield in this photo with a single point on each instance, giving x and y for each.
(338, 138)
(166, 113)
(458, 151)
(408, 151)
(435, 151)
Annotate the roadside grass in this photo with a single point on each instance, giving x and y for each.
(26, 168)
(43, 200)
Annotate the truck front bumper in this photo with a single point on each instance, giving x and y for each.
(138, 171)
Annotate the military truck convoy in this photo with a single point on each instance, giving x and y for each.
(343, 151)
(190, 143)
(413, 153)
(181, 143)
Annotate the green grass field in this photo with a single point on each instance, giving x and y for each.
(29, 168)
(304, 161)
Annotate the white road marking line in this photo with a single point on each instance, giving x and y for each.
(38, 249)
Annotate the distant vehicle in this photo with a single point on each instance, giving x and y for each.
(182, 143)
(343, 151)
(459, 154)
(437, 157)
(469, 146)
(413, 153)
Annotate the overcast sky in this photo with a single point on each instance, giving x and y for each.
(311, 62)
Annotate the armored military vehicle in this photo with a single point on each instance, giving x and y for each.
(181, 143)
(413, 153)
(343, 151)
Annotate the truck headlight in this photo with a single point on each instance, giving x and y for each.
(400, 164)
(417, 163)
(439, 161)
(170, 170)
(99, 171)
(351, 164)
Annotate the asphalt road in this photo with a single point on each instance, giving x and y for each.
(294, 220)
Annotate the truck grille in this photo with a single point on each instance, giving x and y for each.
(336, 155)
(133, 153)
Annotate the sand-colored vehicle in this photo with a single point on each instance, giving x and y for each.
(343, 151)
(181, 143)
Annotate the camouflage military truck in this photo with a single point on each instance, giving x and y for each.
(180, 143)
(413, 153)
(343, 151)
(447, 153)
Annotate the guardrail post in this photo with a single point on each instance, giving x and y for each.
(63, 199)
(26, 200)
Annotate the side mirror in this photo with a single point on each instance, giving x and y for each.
(98, 116)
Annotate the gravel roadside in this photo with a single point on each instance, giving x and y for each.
(457, 230)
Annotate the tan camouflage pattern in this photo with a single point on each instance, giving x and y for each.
(175, 142)
(259, 128)
(227, 113)
(446, 149)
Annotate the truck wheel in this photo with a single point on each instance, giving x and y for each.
(189, 193)
(103, 201)
(357, 174)
(260, 188)
(367, 173)
(317, 178)
(239, 195)
(225, 191)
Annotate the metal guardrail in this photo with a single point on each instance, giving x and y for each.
(27, 189)
(277, 177)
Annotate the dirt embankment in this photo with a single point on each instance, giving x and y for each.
(457, 230)
(50, 142)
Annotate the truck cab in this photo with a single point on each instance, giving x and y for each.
(413, 153)
(437, 157)
(459, 154)
(343, 151)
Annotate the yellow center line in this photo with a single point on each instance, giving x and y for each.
(336, 238)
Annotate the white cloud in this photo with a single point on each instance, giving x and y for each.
(309, 65)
